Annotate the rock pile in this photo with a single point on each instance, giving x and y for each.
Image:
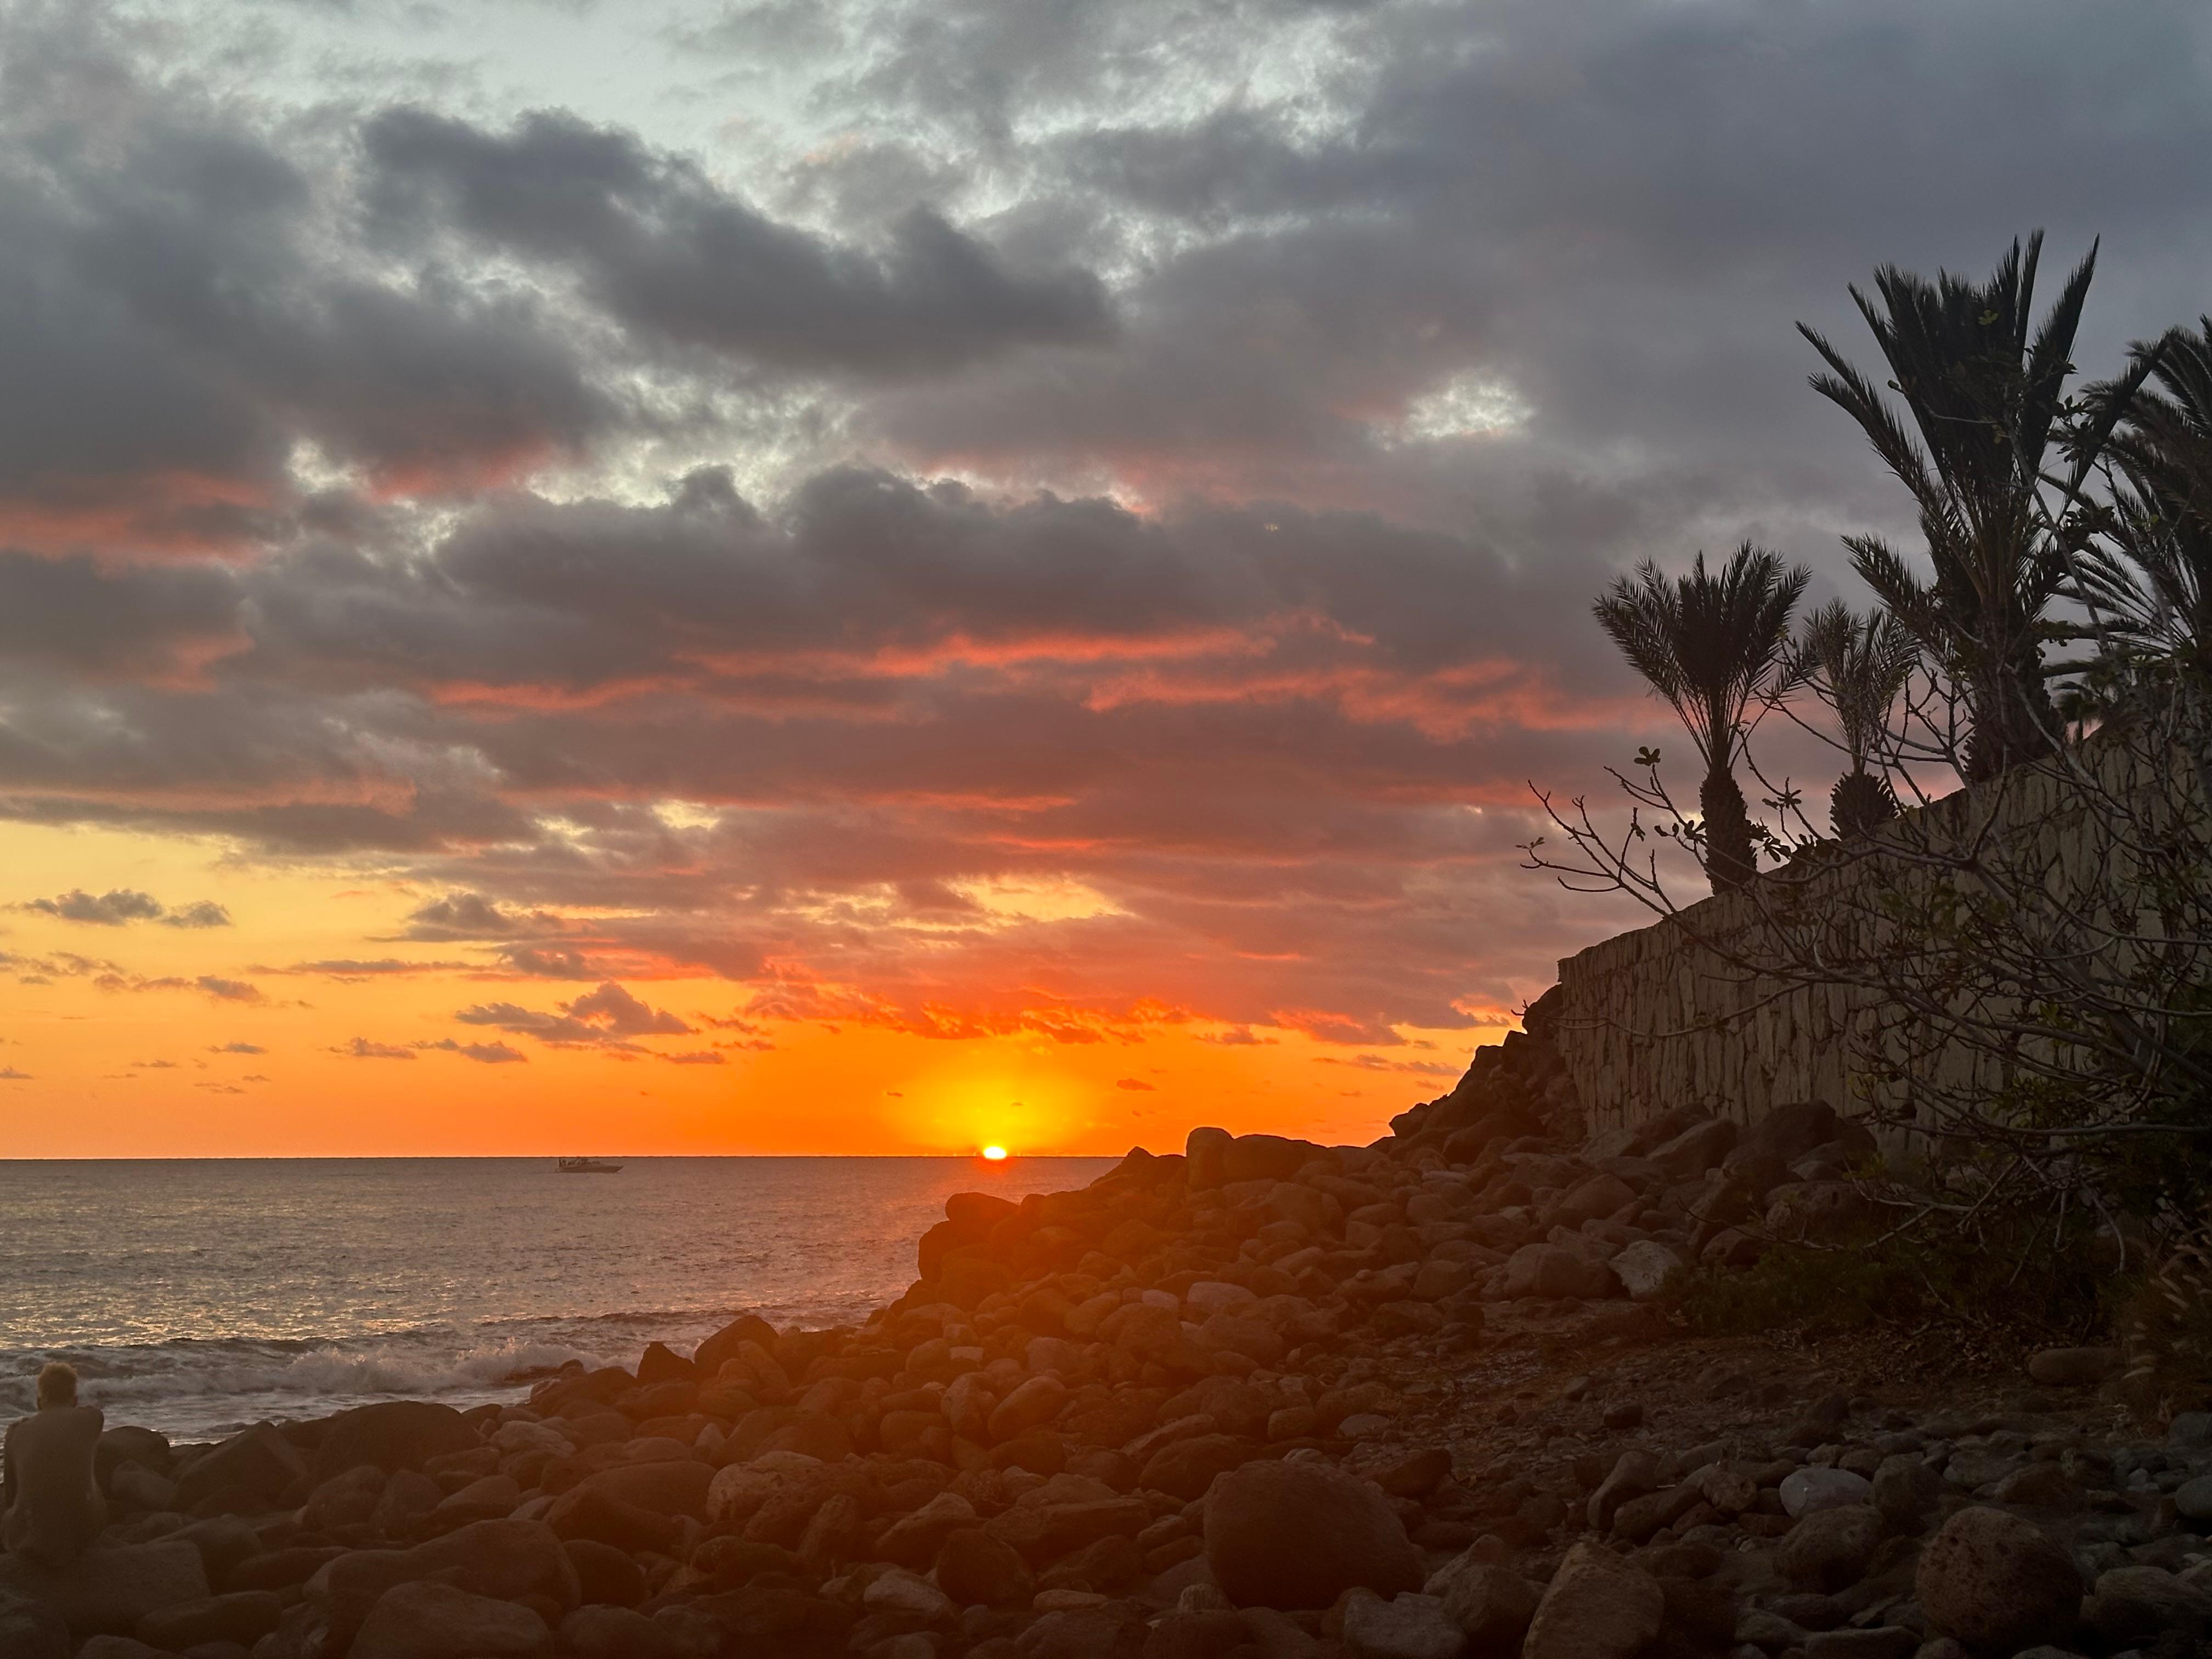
(1264, 1399)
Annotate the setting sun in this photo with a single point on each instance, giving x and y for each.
(995, 1153)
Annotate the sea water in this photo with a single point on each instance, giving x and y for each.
(194, 1297)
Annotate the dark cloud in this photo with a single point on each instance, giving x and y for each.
(355, 967)
(200, 913)
(236, 1048)
(109, 909)
(484, 1053)
(607, 1017)
(363, 1049)
(230, 990)
(124, 904)
(663, 251)
(461, 916)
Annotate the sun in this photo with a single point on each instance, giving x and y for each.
(996, 1154)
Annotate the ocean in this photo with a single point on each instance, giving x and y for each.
(196, 1296)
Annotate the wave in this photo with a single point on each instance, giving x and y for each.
(420, 1365)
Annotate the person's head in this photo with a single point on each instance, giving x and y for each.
(57, 1385)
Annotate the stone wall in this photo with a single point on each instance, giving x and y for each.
(1676, 1013)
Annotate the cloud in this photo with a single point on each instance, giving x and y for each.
(654, 245)
(236, 1048)
(124, 904)
(11, 1074)
(230, 990)
(356, 969)
(110, 910)
(460, 916)
(484, 1053)
(363, 1049)
(202, 913)
(697, 1057)
(1134, 1083)
(605, 1017)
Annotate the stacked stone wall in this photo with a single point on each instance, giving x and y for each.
(1671, 1015)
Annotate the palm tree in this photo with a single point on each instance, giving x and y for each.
(1862, 662)
(1711, 644)
(2158, 598)
(1987, 397)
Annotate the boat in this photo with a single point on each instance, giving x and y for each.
(588, 1166)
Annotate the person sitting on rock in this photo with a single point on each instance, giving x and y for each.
(50, 1509)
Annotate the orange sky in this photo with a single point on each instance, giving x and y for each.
(140, 1039)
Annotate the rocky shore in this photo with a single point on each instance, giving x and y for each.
(1264, 1399)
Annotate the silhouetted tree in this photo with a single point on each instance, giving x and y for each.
(1711, 644)
(1859, 666)
(1985, 390)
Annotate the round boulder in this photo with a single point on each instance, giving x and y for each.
(1299, 1535)
(392, 1434)
(1997, 1584)
(1829, 1549)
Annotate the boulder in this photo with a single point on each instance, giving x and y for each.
(135, 1486)
(109, 1590)
(1206, 1152)
(392, 1434)
(1090, 1633)
(426, 1619)
(128, 1444)
(1031, 1405)
(605, 1576)
(1264, 1158)
(243, 1617)
(1994, 1582)
(1784, 1133)
(409, 1496)
(30, 1630)
(1699, 1148)
(1554, 1271)
(258, 1462)
(1904, 1489)
(720, 1348)
(1596, 1607)
(1299, 1535)
(907, 1596)
(661, 1364)
(1644, 1267)
(977, 1570)
(2133, 1607)
(1490, 1604)
(1409, 1626)
(344, 1500)
(915, 1539)
(1593, 1200)
(601, 1633)
(505, 1559)
(1187, 1469)
(1829, 1549)
(661, 1488)
(586, 1512)
(1807, 1491)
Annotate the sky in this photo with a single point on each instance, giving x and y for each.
(888, 575)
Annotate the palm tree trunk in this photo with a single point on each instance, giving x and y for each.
(1729, 862)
